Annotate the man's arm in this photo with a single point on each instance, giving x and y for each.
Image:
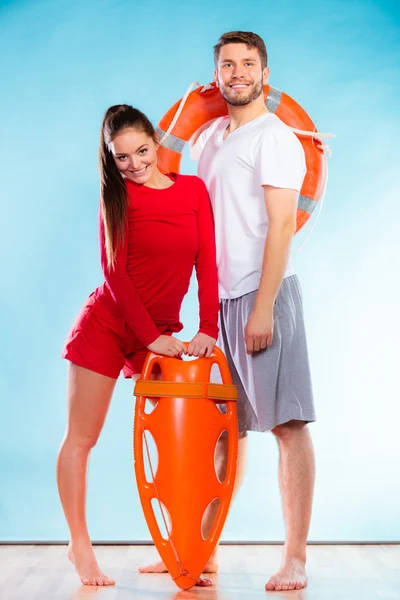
(281, 206)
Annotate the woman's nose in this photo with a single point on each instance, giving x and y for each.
(136, 162)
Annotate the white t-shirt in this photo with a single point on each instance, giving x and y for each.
(263, 152)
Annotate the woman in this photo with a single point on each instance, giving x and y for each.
(153, 229)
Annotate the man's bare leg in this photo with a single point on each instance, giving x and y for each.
(221, 463)
(296, 480)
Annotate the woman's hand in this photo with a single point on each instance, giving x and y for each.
(167, 345)
(201, 345)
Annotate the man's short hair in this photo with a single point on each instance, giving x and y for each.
(252, 40)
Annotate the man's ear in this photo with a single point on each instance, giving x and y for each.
(265, 75)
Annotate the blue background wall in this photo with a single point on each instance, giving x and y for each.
(62, 64)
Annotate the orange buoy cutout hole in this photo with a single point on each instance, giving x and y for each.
(221, 455)
(220, 463)
(209, 516)
(164, 526)
(150, 405)
(153, 451)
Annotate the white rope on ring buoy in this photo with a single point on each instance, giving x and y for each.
(318, 136)
(178, 112)
(314, 134)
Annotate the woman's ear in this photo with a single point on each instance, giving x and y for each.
(157, 140)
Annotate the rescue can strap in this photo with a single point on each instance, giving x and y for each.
(219, 392)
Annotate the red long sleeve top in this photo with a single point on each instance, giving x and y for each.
(168, 232)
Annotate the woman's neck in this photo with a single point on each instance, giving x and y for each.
(159, 181)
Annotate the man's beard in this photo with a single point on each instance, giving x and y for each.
(257, 90)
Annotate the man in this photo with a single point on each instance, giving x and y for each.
(254, 166)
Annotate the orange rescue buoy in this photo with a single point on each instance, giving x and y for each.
(206, 104)
(186, 425)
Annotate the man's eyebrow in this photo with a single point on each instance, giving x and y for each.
(242, 59)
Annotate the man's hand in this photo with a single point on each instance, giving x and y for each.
(201, 345)
(259, 330)
(167, 345)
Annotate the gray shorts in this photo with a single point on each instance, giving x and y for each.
(274, 384)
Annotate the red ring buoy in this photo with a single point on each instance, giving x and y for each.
(206, 104)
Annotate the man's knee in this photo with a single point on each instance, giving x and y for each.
(288, 430)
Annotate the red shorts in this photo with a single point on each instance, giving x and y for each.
(102, 342)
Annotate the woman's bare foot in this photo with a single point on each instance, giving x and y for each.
(211, 567)
(85, 563)
(291, 576)
(157, 567)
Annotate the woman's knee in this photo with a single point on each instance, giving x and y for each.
(81, 440)
(88, 398)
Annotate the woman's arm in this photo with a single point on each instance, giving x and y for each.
(207, 278)
(206, 266)
(125, 293)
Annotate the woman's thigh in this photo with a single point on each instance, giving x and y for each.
(88, 398)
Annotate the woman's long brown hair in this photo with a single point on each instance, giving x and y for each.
(113, 190)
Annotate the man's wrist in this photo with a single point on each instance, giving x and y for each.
(264, 306)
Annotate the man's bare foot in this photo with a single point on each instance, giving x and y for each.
(85, 563)
(211, 567)
(291, 576)
(203, 582)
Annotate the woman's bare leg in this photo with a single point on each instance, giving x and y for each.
(88, 397)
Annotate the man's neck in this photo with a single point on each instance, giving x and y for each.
(240, 115)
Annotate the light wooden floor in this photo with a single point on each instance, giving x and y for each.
(335, 572)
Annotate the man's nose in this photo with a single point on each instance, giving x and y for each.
(238, 71)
